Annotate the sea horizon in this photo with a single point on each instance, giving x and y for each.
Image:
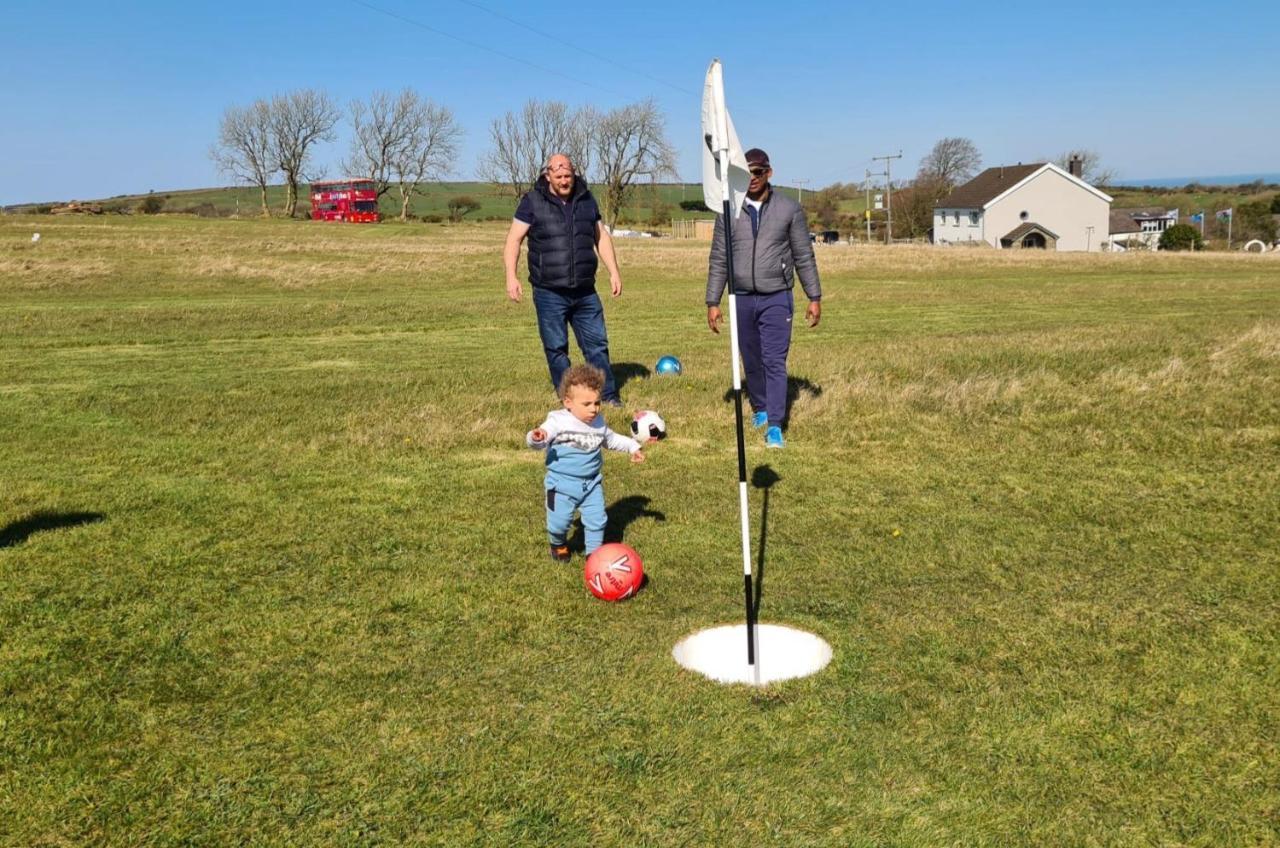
(1220, 180)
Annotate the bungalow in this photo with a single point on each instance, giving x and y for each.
(1139, 226)
(1021, 206)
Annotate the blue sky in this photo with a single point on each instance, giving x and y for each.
(103, 99)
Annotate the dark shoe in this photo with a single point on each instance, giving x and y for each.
(560, 553)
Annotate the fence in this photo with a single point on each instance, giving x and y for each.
(693, 228)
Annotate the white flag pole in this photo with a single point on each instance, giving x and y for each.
(722, 154)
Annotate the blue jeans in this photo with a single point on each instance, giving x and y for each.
(557, 311)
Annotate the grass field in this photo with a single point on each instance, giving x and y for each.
(273, 572)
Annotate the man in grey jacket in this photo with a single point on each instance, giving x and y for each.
(770, 247)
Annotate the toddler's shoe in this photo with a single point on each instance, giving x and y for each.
(773, 438)
(560, 553)
(759, 419)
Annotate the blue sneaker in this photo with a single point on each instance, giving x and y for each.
(773, 438)
(759, 419)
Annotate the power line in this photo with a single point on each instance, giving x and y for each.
(559, 40)
(484, 47)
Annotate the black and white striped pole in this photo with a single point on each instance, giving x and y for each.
(722, 154)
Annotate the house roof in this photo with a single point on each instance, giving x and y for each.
(994, 183)
(1017, 233)
(988, 185)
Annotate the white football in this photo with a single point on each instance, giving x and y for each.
(648, 426)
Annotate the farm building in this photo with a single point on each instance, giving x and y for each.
(1025, 206)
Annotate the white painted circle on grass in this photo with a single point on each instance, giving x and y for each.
(782, 653)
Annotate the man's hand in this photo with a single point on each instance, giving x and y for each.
(814, 312)
(714, 318)
(514, 289)
(637, 456)
(615, 284)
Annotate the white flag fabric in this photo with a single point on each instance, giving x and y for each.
(723, 161)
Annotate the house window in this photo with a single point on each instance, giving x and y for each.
(973, 219)
(957, 219)
(1024, 215)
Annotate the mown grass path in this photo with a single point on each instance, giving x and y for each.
(273, 572)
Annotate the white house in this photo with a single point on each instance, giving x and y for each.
(1016, 206)
(1139, 226)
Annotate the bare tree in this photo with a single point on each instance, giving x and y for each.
(630, 142)
(428, 152)
(244, 149)
(299, 119)
(1092, 170)
(952, 161)
(523, 142)
(382, 128)
(913, 205)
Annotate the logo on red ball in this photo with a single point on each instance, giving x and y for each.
(613, 572)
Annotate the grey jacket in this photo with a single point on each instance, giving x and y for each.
(768, 262)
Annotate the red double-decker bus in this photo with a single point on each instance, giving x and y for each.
(354, 199)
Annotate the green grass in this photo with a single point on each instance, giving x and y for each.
(273, 569)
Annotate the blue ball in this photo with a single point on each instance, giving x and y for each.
(668, 365)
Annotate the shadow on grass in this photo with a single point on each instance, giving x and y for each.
(622, 513)
(762, 477)
(795, 386)
(19, 531)
(625, 372)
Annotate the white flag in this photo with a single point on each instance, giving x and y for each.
(723, 162)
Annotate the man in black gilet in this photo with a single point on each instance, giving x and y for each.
(562, 222)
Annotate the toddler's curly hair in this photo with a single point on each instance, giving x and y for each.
(582, 374)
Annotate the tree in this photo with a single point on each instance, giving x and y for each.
(1275, 205)
(429, 152)
(151, 204)
(382, 127)
(244, 149)
(523, 142)
(952, 161)
(402, 141)
(1181, 237)
(1092, 170)
(462, 205)
(825, 207)
(299, 119)
(630, 142)
(1254, 221)
(913, 205)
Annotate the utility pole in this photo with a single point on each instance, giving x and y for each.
(867, 182)
(800, 184)
(888, 196)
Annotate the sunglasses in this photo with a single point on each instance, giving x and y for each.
(758, 172)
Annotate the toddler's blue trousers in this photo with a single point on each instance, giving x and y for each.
(565, 495)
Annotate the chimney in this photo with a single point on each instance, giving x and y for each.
(1076, 167)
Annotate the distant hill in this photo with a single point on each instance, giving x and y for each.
(495, 203)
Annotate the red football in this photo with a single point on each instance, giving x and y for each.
(613, 572)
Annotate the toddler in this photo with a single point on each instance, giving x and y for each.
(574, 438)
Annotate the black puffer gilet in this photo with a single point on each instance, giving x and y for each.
(563, 257)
